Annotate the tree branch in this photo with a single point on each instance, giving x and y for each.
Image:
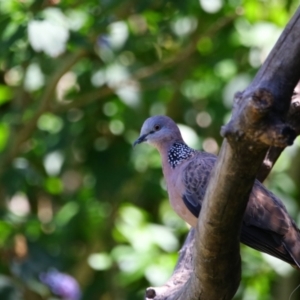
(185, 264)
(293, 119)
(257, 124)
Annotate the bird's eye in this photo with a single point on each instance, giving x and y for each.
(156, 127)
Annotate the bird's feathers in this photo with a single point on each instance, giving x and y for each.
(266, 226)
(266, 220)
(192, 204)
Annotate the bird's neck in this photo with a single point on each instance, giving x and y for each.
(174, 155)
(178, 153)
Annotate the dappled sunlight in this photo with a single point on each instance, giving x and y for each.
(211, 146)
(184, 26)
(84, 210)
(51, 34)
(144, 238)
(203, 119)
(211, 6)
(100, 261)
(118, 34)
(190, 136)
(110, 109)
(226, 69)
(50, 122)
(277, 265)
(145, 157)
(53, 162)
(118, 78)
(66, 82)
(34, 78)
(101, 144)
(142, 235)
(197, 89)
(261, 36)
(170, 218)
(116, 127)
(19, 205)
(236, 84)
(45, 209)
(157, 108)
(14, 76)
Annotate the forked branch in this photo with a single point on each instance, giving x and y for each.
(259, 121)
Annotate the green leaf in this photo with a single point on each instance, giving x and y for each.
(50, 122)
(53, 185)
(66, 213)
(4, 134)
(6, 94)
(5, 231)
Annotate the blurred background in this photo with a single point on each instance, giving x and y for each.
(83, 214)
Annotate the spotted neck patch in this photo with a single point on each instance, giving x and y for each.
(178, 153)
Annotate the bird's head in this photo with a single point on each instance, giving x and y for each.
(159, 130)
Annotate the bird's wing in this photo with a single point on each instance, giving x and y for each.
(267, 227)
(265, 221)
(266, 242)
(266, 211)
(195, 180)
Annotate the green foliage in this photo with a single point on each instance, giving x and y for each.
(77, 80)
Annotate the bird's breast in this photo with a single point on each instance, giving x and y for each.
(175, 191)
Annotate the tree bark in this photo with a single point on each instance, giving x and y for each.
(293, 119)
(263, 123)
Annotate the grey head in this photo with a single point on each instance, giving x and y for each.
(159, 131)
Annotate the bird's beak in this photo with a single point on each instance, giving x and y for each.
(141, 139)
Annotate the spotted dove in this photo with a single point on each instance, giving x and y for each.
(266, 225)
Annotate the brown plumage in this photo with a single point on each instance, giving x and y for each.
(266, 227)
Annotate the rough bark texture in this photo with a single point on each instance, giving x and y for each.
(264, 121)
(293, 119)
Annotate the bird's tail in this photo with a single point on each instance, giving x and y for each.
(291, 243)
(270, 243)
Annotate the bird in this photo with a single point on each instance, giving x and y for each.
(266, 225)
